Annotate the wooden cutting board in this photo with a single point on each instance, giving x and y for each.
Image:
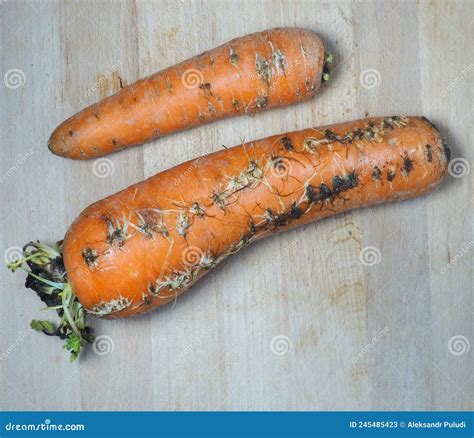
(296, 321)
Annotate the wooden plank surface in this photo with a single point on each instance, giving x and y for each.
(298, 321)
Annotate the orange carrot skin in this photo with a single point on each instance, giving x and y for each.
(269, 69)
(140, 248)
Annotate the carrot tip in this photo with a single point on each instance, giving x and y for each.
(447, 150)
(47, 277)
(328, 59)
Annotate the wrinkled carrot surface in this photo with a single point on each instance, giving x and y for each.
(274, 68)
(140, 248)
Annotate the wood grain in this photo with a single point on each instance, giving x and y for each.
(358, 337)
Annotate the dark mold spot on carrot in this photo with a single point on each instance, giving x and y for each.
(447, 151)
(146, 299)
(390, 175)
(90, 257)
(429, 154)
(169, 84)
(287, 144)
(264, 69)
(197, 210)
(212, 108)
(114, 141)
(309, 85)
(235, 104)
(206, 87)
(233, 57)
(407, 166)
(261, 102)
(278, 59)
(295, 211)
(70, 133)
(116, 233)
(376, 174)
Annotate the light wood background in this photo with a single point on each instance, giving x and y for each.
(352, 336)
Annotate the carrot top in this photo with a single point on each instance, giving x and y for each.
(47, 277)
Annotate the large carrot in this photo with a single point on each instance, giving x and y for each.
(142, 247)
(274, 68)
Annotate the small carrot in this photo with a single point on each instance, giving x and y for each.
(269, 69)
(142, 247)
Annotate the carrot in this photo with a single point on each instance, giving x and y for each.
(269, 69)
(142, 247)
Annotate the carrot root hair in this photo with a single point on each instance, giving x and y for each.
(47, 276)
